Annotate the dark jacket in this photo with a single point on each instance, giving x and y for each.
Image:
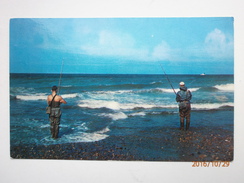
(183, 95)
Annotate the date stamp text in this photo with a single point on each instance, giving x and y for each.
(211, 164)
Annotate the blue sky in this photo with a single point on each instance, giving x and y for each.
(122, 45)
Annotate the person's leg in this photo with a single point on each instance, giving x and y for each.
(182, 119)
(56, 130)
(52, 126)
(188, 119)
(56, 126)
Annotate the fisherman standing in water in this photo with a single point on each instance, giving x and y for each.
(183, 97)
(54, 101)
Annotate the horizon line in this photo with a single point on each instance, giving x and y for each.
(119, 74)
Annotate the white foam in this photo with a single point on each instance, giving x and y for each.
(41, 96)
(138, 114)
(110, 94)
(104, 95)
(221, 98)
(194, 89)
(48, 125)
(45, 126)
(31, 97)
(89, 137)
(93, 104)
(145, 105)
(114, 92)
(209, 106)
(154, 82)
(83, 127)
(78, 137)
(105, 130)
(225, 87)
(116, 116)
(165, 90)
(73, 95)
(176, 90)
(129, 106)
(86, 137)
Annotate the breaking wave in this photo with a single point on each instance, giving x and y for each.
(40, 96)
(96, 104)
(115, 116)
(164, 90)
(78, 137)
(209, 106)
(225, 87)
(43, 96)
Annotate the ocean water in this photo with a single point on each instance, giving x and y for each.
(102, 106)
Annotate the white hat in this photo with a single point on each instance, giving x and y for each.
(182, 83)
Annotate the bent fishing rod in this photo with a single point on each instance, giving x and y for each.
(60, 76)
(168, 78)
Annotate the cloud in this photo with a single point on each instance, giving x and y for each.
(123, 45)
(114, 44)
(118, 40)
(218, 45)
(82, 39)
(162, 52)
(79, 37)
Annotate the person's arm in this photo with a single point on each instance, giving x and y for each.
(48, 101)
(189, 95)
(62, 101)
(177, 97)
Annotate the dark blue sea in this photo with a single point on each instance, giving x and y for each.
(102, 106)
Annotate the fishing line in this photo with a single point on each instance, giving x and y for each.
(167, 78)
(60, 76)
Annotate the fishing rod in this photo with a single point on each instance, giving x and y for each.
(60, 76)
(168, 79)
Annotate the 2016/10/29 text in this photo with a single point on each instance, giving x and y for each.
(211, 164)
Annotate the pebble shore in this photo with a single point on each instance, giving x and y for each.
(192, 145)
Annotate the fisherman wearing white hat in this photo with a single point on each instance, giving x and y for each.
(183, 97)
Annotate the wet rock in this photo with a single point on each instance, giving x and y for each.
(202, 156)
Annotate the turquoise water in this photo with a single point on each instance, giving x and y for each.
(102, 106)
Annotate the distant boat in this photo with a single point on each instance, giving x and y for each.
(202, 74)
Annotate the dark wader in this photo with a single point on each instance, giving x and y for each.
(183, 97)
(185, 112)
(54, 118)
